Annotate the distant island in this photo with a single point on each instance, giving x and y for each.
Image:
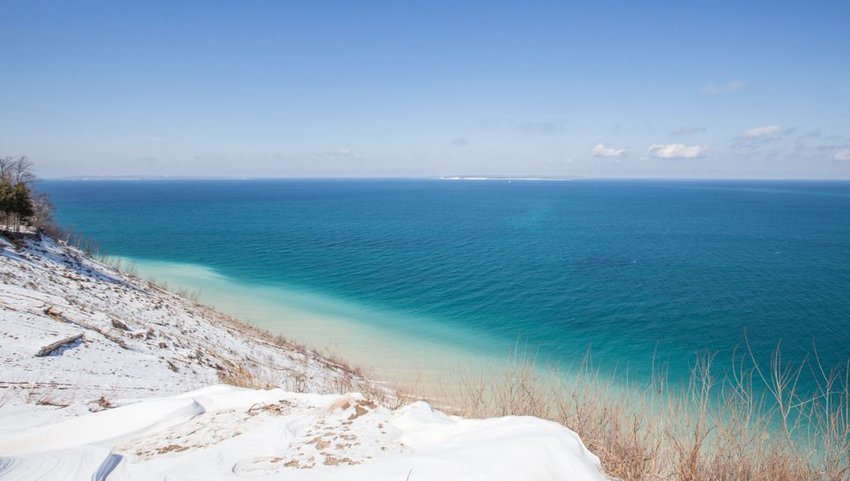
(500, 177)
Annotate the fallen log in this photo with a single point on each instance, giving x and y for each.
(48, 349)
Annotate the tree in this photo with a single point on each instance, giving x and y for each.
(22, 204)
(21, 171)
(17, 205)
(6, 200)
(6, 167)
(42, 210)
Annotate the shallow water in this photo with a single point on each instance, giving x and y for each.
(421, 352)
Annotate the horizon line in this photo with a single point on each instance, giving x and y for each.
(456, 178)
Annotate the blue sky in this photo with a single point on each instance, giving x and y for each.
(262, 88)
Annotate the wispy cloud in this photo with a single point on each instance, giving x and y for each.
(682, 131)
(341, 154)
(460, 141)
(802, 152)
(842, 154)
(675, 151)
(723, 89)
(763, 132)
(602, 150)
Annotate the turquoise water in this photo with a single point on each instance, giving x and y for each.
(632, 269)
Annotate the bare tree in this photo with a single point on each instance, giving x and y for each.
(6, 167)
(22, 170)
(42, 210)
(17, 170)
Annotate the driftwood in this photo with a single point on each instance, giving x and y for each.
(48, 349)
(60, 316)
(117, 323)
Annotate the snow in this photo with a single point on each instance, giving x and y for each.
(139, 340)
(140, 398)
(224, 432)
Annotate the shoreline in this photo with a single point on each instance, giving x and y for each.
(371, 339)
(366, 339)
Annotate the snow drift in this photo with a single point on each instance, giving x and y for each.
(223, 432)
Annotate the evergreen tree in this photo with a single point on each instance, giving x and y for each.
(6, 200)
(22, 203)
(17, 204)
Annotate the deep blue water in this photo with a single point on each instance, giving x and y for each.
(627, 267)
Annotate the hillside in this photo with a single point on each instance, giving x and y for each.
(106, 376)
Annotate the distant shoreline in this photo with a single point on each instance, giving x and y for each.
(155, 178)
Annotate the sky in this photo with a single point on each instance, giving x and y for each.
(626, 89)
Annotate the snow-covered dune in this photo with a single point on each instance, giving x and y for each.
(224, 432)
(138, 340)
(96, 366)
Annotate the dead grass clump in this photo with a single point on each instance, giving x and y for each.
(753, 423)
(104, 403)
(193, 295)
(333, 359)
(240, 376)
(48, 401)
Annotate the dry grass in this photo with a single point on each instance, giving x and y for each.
(749, 424)
(241, 376)
(48, 394)
(70, 237)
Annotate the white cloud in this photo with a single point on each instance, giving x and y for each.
(762, 132)
(722, 89)
(675, 151)
(843, 154)
(460, 141)
(601, 150)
